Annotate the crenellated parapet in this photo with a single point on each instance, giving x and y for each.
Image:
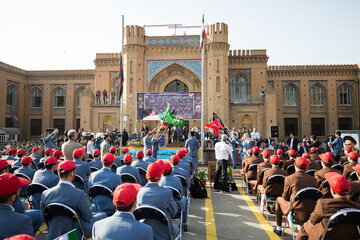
(245, 56)
(134, 35)
(313, 70)
(6, 68)
(61, 74)
(217, 32)
(107, 59)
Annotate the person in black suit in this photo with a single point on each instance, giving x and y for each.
(292, 142)
(268, 141)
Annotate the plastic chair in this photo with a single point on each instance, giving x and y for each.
(311, 172)
(142, 171)
(353, 176)
(94, 169)
(114, 167)
(184, 183)
(177, 196)
(149, 212)
(344, 216)
(96, 190)
(58, 209)
(338, 167)
(12, 170)
(79, 183)
(33, 188)
(253, 167)
(274, 179)
(40, 165)
(290, 169)
(281, 163)
(23, 176)
(128, 178)
(345, 163)
(261, 176)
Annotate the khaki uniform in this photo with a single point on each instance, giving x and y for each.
(320, 178)
(251, 175)
(273, 190)
(104, 148)
(313, 165)
(348, 169)
(354, 191)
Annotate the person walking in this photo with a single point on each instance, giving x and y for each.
(222, 154)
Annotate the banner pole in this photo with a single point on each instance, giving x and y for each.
(122, 95)
(202, 93)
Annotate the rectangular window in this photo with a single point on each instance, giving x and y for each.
(291, 126)
(345, 123)
(77, 124)
(59, 101)
(59, 124)
(35, 127)
(318, 126)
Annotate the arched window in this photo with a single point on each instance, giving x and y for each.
(176, 86)
(217, 84)
(59, 98)
(131, 83)
(317, 95)
(11, 96)
(78, 97)
(239, 89)
(290, 96)
(344, 95)
(36, 98)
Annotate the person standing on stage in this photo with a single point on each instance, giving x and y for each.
(193, 145)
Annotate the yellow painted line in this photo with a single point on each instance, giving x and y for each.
(266, 226)
(209, 217)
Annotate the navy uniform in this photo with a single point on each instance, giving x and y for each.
(147, 143)
(155, 147)
(140, 163)
(83, 168)
(26, 171)
(193, 145)
(184, 164)
(11, 151)
(96, 162)
(176, 170)
(149, 159)
(36, 155)
(131, 170)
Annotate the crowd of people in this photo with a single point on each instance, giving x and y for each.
(107, 98)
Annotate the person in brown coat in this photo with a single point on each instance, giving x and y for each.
(344, 158)
(262, 166)
(313, 154)
(325, 207)
(326, 162)
(280, 153)
(287, 163)
(354, 194)
(274, 190)
(294, 183)
(348, 168)
(244, 161)
(312, 164)
(255, 159)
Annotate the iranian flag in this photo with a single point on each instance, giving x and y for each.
(72, 235)
(290, 220)
(203, 33)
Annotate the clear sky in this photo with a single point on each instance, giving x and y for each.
(66, 34)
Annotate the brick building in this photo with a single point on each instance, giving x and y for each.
(240, 87)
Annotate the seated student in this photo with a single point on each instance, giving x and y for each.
(57, 154)
(66, 193)
(123, 224)
(188, 158)
(313, 154)
(183, 163)
(26, 164)
(325, 207)
(83, 168)
(348, 168)
(344, 158)
(96, 162)
(244, 162)
(35, 154)
(326, 162)
(118, 159)
(354, 194)
(255, 159)
(262, 166)
(154, 195)
(107, 178)
(287, 163)
(48, 153)
(294, 183)
(12, 222)
(20, 153)
(127, 168)
(176, 170)
(46, 177)
(311, 163)
(11, 154)
(274, 190)
(149, 158)
(140, 163)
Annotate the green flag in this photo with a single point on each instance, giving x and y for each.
(72, 235)
(168, 118)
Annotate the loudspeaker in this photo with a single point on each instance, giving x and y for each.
(274, 131)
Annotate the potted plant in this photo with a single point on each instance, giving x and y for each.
(201, 174)
(135, 144)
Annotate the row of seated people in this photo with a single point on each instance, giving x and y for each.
(330, 189)
(60, 189)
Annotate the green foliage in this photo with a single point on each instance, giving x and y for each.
(136, 143)
(201, 174)
(230, 173)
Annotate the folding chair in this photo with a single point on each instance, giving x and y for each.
(79, 183)
(345, 163)
(12, 170)
(32, 189)
(338, 167)
(178, 217)
(353, 176)
(145, 212)
(58, 209)
(344, 216)
(97, 189)
(23, 176)
(142, 171)
(253, 167)
(128, 178)
(281, 163)
(114, 167)
(274, 179)
(261, 176)
(184, 183)
(311, 172)
(305, 193)
(290, 169)
(94, 169)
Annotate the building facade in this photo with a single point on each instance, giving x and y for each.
(240, 87)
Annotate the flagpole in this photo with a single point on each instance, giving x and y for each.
(202, 93)
(122, 94)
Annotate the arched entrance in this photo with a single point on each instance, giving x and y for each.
(107, 123)
(176, 86)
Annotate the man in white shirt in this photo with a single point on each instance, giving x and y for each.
(90, 147)
(254, 134)
(222, 153)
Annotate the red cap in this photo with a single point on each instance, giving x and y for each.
(301, 162)
(167, 167)
(181, 153)
(291, 153)
(21, 151)
(125, 194)
(357, 167)
(66, 166)
(353, 155)
(128, 158)
(313, 149)
(255, 150)
(338, 182)
(125, 150)
(326, 158)
(27, 159)
(20, 237)
(174, 159)
(279, 151)
(306, 155)
(266, 154)
(57, 153)
(154, 171)
(187, 150)
(161, 163)
(140, 154)
(113, 149)
(35, 149)
(11, 151)
(50, 160)
(10, 183)
(108, 158)
(48, 151)
(96, 152)
(77, 153)
(3, 164)
(329, 153)
(249, 151)
(348, 149)
(149, 152)
(275, 159)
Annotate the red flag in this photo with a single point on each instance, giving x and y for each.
(121, 78)
(215, 127)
